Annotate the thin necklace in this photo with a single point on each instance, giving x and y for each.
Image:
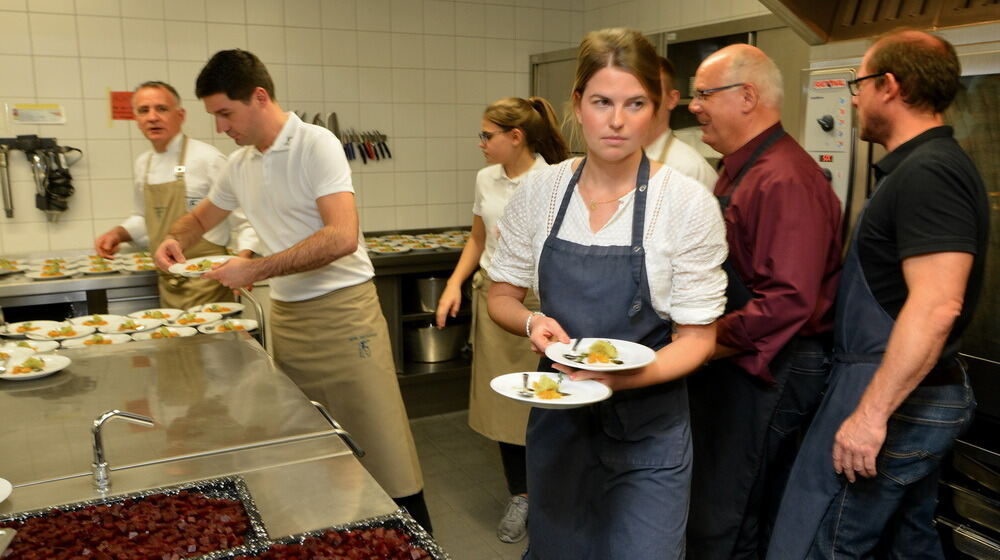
(594, 203)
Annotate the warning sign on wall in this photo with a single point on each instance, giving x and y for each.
(121, 106)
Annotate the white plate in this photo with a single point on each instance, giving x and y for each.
(82, 341)
(196, 319)
(169, 314)
(33, 345)
(389, 249)
(85, 319)
(140, 325)
(631, 354)
(112, 269)
(181, 269)
(579, 393)
(35, 326)
(232, 307)
(53, 363)
(139, 267)
(78, 331)
(5, 489)
(38, 263)
(39, 275)
(181, 332)
(247, 324)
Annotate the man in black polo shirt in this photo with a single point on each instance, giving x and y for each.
(867, 473)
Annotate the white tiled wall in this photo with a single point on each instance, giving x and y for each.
(421, 71)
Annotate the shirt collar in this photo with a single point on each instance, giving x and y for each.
(891, 161)
(734, 162)
(538, 164)
(174, 146)
(283, 140)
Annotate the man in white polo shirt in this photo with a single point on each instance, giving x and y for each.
(294, 184)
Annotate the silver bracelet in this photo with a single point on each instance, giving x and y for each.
(527, 323)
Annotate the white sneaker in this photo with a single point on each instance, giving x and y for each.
(513, 527)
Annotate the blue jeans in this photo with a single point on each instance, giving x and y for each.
(892, 514)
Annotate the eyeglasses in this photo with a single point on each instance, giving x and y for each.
(703, 94)
(485, 136)
(854, 86)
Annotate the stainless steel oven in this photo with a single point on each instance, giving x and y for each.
(969, 512)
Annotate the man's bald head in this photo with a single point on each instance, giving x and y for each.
(747, 64)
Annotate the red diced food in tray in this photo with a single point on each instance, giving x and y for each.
(178, 525)
(379, 542)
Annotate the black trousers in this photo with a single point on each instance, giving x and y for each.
(514, 467)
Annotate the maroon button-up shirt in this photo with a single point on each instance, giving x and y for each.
(783, 227)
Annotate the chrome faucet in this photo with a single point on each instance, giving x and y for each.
(101, 471)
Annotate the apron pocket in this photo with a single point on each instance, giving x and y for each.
(647, 430)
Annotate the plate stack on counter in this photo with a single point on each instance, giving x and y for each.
(26, 349)
(396, 243)
(56, 268)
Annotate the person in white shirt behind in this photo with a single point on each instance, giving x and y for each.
(169, 180)
(664, 146)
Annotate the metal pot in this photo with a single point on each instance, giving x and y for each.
(430, 344)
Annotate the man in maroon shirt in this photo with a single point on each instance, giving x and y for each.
(751, 404)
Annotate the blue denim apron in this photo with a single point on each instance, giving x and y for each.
(610, 480)
(861, 333)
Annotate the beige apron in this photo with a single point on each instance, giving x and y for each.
(165, 203)
(496, 352)
(336, 348)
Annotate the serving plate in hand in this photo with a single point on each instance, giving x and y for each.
(574, 393)
(631, 355)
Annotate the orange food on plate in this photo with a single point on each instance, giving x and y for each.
(548, 394)
(230, 326)
(163, 332)
(97, 339)
(215, 308)
(27, 327)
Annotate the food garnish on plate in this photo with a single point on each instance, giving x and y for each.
(163, 332)
(229, 326)
(66, 330)
(599, 352)
(97, 339)
(95, 321)
(189, 318)
(129, 325)
(155, 314)
(547, 388)
(216, 308)
(200, 266)
(26, 327)
(30, 365)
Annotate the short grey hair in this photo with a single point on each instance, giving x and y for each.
(754, 67)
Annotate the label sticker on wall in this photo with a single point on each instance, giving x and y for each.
(37, 113)
(121, 106)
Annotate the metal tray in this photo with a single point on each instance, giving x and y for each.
(978, 463)
(976, 507)
(230, 487)
(399, 520)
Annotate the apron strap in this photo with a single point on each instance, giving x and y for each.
(566, 198)
(637, 254)
(767, 143)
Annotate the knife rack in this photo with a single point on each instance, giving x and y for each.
(50, 169)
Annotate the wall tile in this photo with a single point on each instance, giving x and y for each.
(407, 51)
(466, 185)
(411, 217)
(439, 86)
(499, 55)
(557, 26)
(15, 38)
(378, 116)
(74, 132)
(139, 71)
(14, 5)
(441, 215)
(439, 52)
(304, 46)
(407, 86)
(470, 20)
(468, 117)
(407, 16)
(52, 6)
(302, 13)
(265, 12)
(375, 16)
(22, 67)
(376, 84)
(379, 189)
(25, 237)
(339, 14)
(440, 154)
(187, 41)
(143, 9)
(470, 53)
(410, 154)
(71, 234)
(144, 38)
(439, 17)
(441, 187)
(378, 219)
(374, 49)
(499, 85)
(57, 77)
(100, 36)
(101, 75)
(408, 120)
(470, 87)
(468, 156)
(111, 198)
(411, 189)
(225, 36)
(267, 42)
(109, 159)
(53, 35)
(305, 83)
(499, 22)
(226, 11)
(530, 23)
(340, 83)
(439, 120)
(186, 10)
(340, 47)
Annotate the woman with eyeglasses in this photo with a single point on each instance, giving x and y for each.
(617, 247)
(518, 136)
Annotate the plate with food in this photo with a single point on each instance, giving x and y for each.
(95, 320)
(229, 325)
(549, 390)
(223, 307)
(165, 314)
(129, 325)
(24, 328)
(61, 331)
(96, 339)
(140, 266)
(38, 346)
(38, 263)
(141, 255)
(165, 332)
(601, 354)
(423, 247)
(94, 269)
(389, 249)
(194, 268)
(8, 266)
(50, 274)
(33, 367)
(196, 318)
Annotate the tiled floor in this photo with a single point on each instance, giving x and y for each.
(464, 486)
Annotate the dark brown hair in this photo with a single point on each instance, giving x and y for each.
(237, 73)
(625, 49)
(536, 119)
(925, 66)
(667, 68)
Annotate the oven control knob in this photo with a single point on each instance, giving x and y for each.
(826, 122)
